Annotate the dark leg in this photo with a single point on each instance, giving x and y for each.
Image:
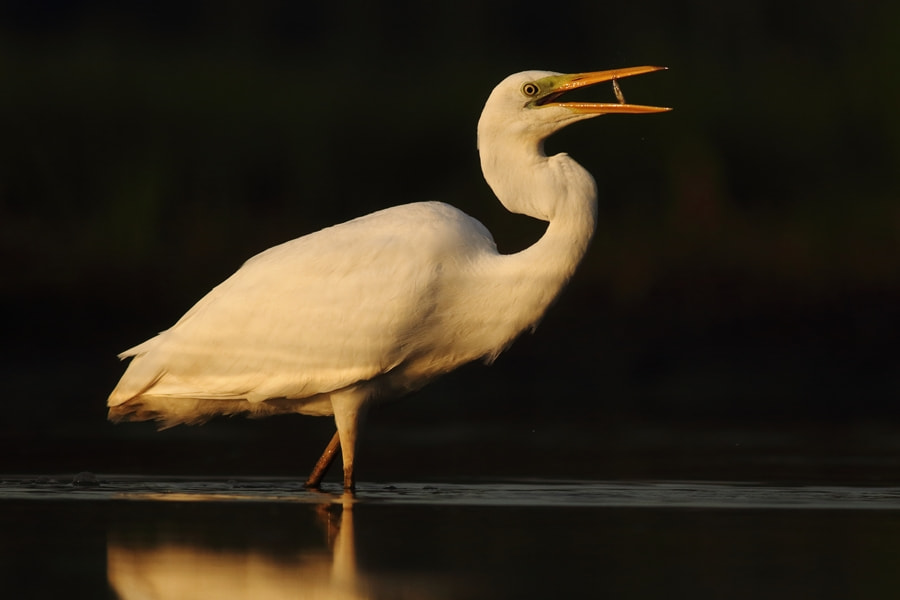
(318, 472)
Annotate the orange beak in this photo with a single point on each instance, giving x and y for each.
(567, 83)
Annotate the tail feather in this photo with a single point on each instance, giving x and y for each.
(142, 374)
(171, 411)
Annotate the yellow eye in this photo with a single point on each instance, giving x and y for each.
(530, 89)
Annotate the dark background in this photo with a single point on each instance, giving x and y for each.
(739, 304)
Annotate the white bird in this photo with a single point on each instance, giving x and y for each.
(378, 306)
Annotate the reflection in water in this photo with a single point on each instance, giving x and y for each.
(270, 539)
(204, 561)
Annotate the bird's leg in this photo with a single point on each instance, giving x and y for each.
(348, 450)
(349, 477)
(318, 472)
(349, 409)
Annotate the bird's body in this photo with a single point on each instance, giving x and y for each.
(352, 306)
(380, 305)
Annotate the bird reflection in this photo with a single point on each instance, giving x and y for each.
(176, 564)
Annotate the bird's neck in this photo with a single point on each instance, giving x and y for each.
(556, 189)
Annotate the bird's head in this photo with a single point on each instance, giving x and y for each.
(521, 112)
(530, 104)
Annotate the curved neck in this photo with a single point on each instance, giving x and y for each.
(555, 189)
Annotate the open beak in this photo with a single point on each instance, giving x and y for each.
(567, 83)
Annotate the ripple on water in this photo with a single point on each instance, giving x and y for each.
(651, 494)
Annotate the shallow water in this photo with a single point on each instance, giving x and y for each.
(128, 537)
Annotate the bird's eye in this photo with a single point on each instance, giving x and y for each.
(530, 89)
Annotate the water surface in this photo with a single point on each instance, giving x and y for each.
(130, 537)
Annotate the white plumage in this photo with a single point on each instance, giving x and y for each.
(382, 304)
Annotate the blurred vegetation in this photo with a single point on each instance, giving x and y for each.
(748, 257)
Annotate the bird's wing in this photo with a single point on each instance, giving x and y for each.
(309, 316)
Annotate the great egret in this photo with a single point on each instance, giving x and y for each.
(380, 305)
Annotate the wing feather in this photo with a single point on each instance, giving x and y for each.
(309, 316)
